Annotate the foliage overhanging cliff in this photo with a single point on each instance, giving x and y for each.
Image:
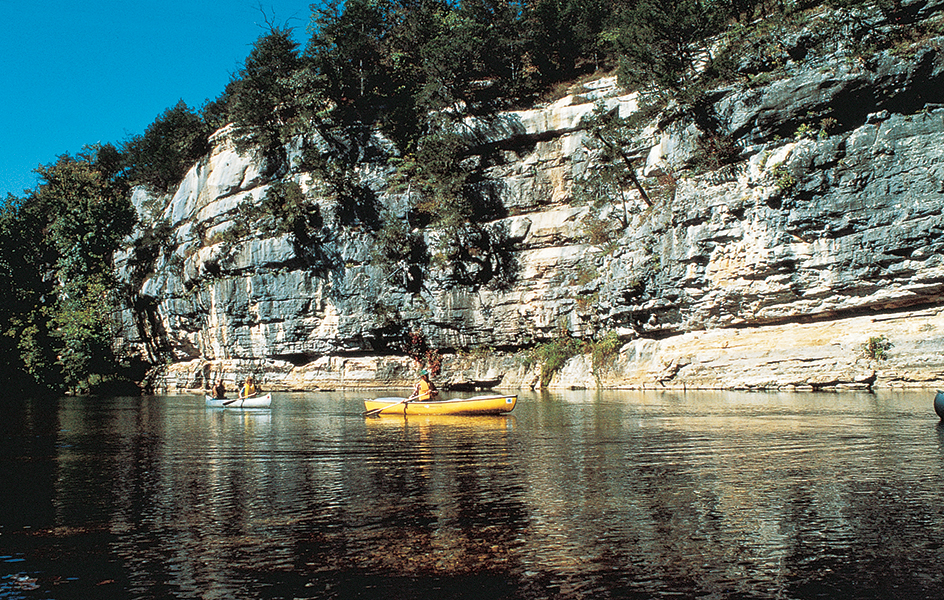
(738, 181)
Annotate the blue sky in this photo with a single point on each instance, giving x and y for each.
(82, 72)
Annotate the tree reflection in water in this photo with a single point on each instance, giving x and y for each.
(574, 495)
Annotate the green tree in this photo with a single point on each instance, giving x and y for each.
(447, 191)
(400, 253)
(493, 30)
(553, 355)
(215, 112)
(261, 99)
(170, 145)
(348, 49)
(438, 57)
(26, 347)
(659, 44)
(84, 325)
(437, 175)
(88, 210)
(610, 182)
(564, 37)
(87, 213)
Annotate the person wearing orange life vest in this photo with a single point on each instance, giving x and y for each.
(425, 389)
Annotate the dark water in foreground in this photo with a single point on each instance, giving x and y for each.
(575, 495)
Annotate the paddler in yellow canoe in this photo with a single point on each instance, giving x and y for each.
(425, 390)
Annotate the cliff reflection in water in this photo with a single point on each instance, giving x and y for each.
(573, 495)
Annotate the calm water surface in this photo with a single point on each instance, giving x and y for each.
(575, 495)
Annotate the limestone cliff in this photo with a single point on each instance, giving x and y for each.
(813, 259)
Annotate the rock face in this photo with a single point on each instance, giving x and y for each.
(814, 260)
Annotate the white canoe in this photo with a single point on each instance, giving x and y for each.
(262, 401)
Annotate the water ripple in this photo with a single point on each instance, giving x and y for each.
(635, 495)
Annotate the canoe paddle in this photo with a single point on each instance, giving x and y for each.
(228, 402)
(375, 411)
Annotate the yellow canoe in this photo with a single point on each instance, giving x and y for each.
(479, 405)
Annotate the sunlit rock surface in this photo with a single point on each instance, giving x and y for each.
(773, 272)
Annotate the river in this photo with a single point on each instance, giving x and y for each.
(573, 495)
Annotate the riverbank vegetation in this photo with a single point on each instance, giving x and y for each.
(414, 70)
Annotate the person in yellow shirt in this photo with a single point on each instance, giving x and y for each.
(249, 388)
(425, 389)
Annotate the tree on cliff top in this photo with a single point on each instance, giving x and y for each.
(170, 145)
(660, 44)
(261, 99)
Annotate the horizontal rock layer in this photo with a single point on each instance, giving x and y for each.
(771, 272)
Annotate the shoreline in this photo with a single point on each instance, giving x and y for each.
(816, 356)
